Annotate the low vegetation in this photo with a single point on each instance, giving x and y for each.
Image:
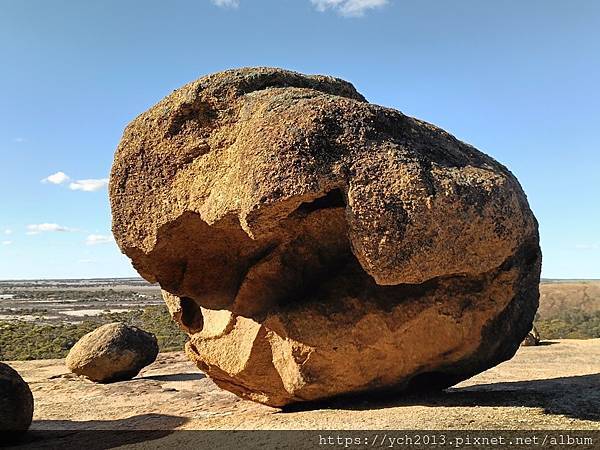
(569, 309)
(22, 340)
(570, 325)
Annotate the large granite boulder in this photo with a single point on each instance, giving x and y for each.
(112, 352)
(16, 402)
(313, 244)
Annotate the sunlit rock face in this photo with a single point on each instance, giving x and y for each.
(113, 352)
(313, 244)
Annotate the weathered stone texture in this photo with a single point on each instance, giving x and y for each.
(112, 352)
(313, 244)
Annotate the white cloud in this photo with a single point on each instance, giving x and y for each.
(95, 239)
(350, 8)
(8, 231)
(7, 242)
(19, 140)
(322, 5)
(90, 185)
(56, 178)
(47, 227)
(226, 3)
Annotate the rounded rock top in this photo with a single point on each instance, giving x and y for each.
(16, 401)
(112, 352)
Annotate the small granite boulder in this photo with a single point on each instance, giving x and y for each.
(16, 401)
(113, 352)
(532, 338)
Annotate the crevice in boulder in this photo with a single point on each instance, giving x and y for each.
(333, 199)
(191, 315)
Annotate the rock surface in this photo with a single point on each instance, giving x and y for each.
(532, 338)
(16, 401)
(112, 352)
(553, 387)
(313, 244)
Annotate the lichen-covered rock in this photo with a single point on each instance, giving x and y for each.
(16, 401)
(112, 352)
(313, 244)
(532, 338)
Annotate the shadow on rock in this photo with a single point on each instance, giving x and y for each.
(576, 396)
(97, 434)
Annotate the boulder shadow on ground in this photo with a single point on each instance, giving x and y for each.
(543, 343)
(173, 377)
(575, 396)
(96, 434)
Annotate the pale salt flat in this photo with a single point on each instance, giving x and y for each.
(27, 318)
(91, 312)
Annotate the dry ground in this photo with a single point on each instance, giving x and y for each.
(553, 386)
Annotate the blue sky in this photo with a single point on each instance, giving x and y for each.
(517, 79)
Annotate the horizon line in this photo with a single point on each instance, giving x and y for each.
(542, 279)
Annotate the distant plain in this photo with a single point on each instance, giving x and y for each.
(58, 312)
